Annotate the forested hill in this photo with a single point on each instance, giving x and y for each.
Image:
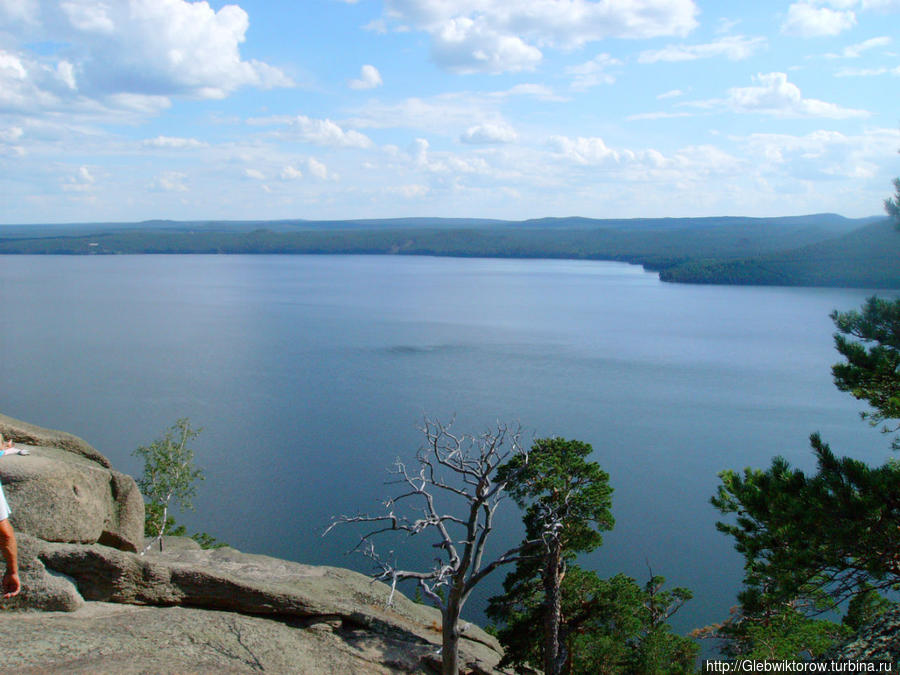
(824, 249)
(867, 258)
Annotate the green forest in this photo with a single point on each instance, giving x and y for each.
(817, 250)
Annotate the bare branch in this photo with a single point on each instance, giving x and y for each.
(459, 468)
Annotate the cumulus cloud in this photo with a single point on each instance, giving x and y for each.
(645, 164)
(326, 132)
(594, 72)
(170, 181)
(583, 150)
(317, 169)
(369, 78)
(28, 85)
(507, 35)
(489, 133)
(733, 48)
(444, 162)
(173, 143)
(291, 173)
(824, 153)
(316, 131)
(314, 168)
(141, 51)
(82, 181)
(465, 46)
(255, 174)
(774, 95)
(806, 20)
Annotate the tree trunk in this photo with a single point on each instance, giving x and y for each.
(552, 610)
(450, 635)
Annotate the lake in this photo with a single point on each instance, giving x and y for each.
(310, 374)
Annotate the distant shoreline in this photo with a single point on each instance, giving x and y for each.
(818, 250)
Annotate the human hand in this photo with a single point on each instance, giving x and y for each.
(11, 585)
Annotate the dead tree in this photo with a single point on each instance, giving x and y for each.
(459, 472)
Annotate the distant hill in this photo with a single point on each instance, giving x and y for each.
(866, 257)
(829, 221)
(824, 249)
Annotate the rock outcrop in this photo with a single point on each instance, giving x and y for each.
(107, 609)
(65, 490)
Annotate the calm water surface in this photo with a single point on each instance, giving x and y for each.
(310, 374)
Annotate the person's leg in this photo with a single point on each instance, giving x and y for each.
(10, 552)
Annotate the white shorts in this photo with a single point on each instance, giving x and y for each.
(4, 507)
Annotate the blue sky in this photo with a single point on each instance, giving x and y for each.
(125, 110)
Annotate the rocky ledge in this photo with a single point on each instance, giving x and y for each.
(91, 604)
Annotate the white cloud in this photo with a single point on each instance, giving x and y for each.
(658, 116)
(489, 133)
(65, 71)
(824, 153)
(127, 52)
(170, 181)
(411, 191)
(369, 78)
(326, 132)
(314, 168)
(696, 161)
(507, 35)
(28, 85)
(291, 173)
(867, 72)
(439, 114)
(584, 150)
(377, 26)
(539, 91)
(856, 50)
(774, 95)
(172, 142)
(419, 151)
(82, 181)
(317, 168)
(255, 174)
(466, 46)
(672, 93)
(594, 72)
(11, 134)
(881, 5)
(733, 48)
(88, 16)
(316, 131)
(806, 20)
(444, 162)
(19, 10)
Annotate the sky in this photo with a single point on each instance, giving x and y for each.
(128, 110)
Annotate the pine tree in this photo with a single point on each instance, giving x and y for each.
(567, 500)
